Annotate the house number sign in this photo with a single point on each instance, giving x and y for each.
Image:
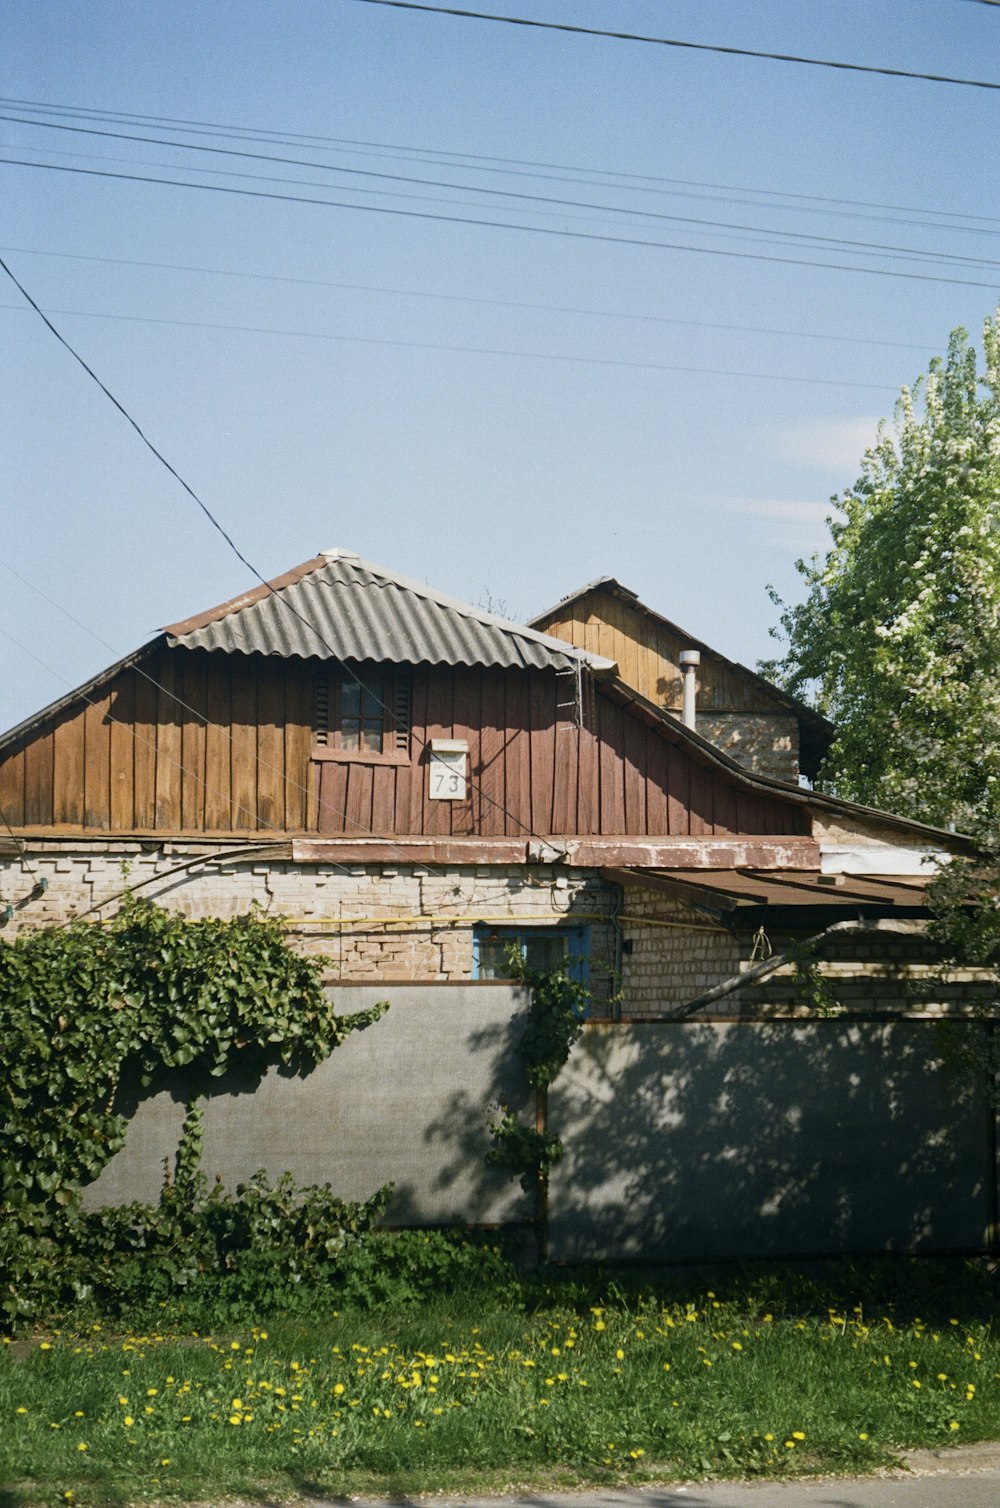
(448, 761)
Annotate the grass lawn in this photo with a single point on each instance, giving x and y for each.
(762, 1373)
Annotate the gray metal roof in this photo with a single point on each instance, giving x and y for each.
(338, 606)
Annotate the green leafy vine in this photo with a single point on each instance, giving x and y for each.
(85, 1007)
(556, 1014)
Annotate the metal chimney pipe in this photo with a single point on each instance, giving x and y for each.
(690, 659)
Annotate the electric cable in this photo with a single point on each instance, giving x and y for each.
(458, 298)
(720, 230)
(344, 664)
(628, 36)
(613, 362)
(640, 182)
(541, 230)
(788, 236)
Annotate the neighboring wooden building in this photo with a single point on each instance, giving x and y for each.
(758, 724)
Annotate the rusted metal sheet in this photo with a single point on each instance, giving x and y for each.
(443, 850)
(781, 886)
(704, 855)
(708, 853)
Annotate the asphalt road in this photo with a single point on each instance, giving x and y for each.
(965, 1478)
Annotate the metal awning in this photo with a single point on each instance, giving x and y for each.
(731, 890)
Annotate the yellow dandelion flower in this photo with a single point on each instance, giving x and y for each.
(83, 1445)
(862, 1436)
(797, 1434)
(128, 1421)
(235, 1419)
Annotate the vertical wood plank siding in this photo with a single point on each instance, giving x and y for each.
(647, 655)
(192, 742)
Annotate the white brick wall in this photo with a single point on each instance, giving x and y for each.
(345, 913)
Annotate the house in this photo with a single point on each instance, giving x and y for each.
(761, 726)
(418, 786)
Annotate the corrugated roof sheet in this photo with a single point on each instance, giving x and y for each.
(338, 606)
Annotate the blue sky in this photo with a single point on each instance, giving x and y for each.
(502, 412)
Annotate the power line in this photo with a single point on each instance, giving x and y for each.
(458, 298)
(345, 665)
(723, 230)
(138, 669)
(422, 345)
(511, 166)
(787, 236)
(471, 220)
(628, 36)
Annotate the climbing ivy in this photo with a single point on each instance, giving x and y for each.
(815, 987)
(556, 1014)
(86, 1010)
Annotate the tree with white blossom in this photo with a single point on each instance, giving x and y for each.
(898, 638)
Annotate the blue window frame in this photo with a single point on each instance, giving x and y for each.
(540, 948)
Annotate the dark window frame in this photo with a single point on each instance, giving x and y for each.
(388, 688)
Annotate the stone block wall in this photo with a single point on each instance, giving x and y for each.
(670, 953)
(373, 923)
(414, 923)
(767, 743)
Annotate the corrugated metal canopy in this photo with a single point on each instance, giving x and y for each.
(338, 606)
(732, 889)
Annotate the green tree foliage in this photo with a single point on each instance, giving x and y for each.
(898, 639)
(84, 1006)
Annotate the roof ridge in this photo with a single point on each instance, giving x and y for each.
(469, 610)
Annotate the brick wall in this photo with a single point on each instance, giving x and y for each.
(670, 953)
(763, 742)
(415, 923)
(405, 922)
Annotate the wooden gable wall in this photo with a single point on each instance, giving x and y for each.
(190, 742)
(647, 650)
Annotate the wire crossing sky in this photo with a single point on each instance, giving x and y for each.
(502, 306)
(629, 36)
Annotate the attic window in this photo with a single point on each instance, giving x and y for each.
(363, 716)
